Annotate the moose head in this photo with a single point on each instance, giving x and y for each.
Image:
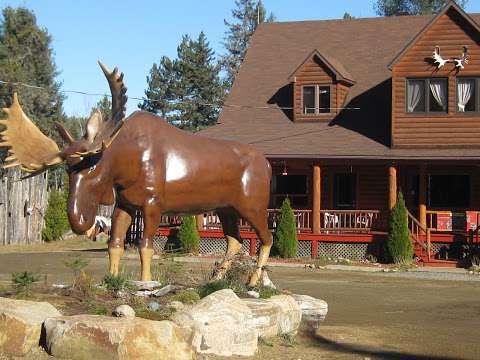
(34, 152)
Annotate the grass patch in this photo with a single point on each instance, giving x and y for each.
(23, 281)
(211, 287)
(264, 342)
(266, 292)
(186, 297)
(288, 340)
(115, 283)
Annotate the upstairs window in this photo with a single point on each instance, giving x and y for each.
(316, 99)
(467, 95)
(427, 95)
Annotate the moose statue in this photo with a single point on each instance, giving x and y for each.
(143, 163)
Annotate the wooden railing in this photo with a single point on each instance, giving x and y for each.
(352, 220)
(419, 234)
(433, 222)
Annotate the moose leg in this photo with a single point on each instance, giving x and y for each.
(258, 220)
(234, 242)
(120, 223)
(151, 216)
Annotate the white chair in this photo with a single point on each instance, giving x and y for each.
(330, 221)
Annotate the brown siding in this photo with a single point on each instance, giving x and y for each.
(372, 188)
(451, 33)
(313, 73)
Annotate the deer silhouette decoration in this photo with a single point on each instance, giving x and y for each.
(143, 163)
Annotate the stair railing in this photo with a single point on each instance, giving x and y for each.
(419, 234)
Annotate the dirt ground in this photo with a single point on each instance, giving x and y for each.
(371, 315)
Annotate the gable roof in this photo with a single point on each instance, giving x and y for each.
(331, 63)
(258, 108)
(451, 5)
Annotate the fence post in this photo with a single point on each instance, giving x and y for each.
(429, 245)
(253, 246)
(314, 248)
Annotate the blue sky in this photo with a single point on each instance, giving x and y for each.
(134, 34)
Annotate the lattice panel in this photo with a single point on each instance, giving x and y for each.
(304, 249)
(159, 243)
(213, 246)
(343, 250)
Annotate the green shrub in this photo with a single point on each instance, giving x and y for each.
(286, 232)
(188, 235)
(186, 297)
(266, 292)
(114, 283)
(22, 281)
(211, 287)
(399, 246)
(56, 219)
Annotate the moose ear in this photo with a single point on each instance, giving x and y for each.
(94, 126)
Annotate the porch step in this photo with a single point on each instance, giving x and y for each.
(440, 263)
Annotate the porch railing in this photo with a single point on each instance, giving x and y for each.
(352, 220)
(419, 234)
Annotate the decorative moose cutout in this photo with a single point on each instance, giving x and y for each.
(459, 62)
(141, 162)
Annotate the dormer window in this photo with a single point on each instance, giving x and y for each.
(427, 95)
(316, 99)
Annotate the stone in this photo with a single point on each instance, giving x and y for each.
(290, 313)
(143, 293)
(21, 324)
(144, 285)
(218, 322)
(266, 317)
(87, 337)
(165, 290)
(313, 310)
(265, 280)
(253, 294)
(177, 305)
(124, 311)
(153, 306)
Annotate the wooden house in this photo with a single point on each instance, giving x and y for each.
(349, 112)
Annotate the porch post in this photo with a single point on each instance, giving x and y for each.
(199, 219)
(317, 194)
(422, 196)
(392, 186)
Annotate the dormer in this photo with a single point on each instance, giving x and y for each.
(320, 87)
(436, 84)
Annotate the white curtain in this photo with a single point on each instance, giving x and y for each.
(414, 95)
(439, 92)
(464, 90)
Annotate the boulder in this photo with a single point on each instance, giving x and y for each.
(86, 337)
(219, 324)
(144, 285)
(21, 324)
(265, 280)
(165, 290)
(253, 294)
(290, 313)
(266, 317)
(124, 311)
(313, 310)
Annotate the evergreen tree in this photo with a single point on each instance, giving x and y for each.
(56, 219)
(188, 235)
(26, 56)
(248, 14)
(286, 241)
(411, 7)
(347, 16)
(105, 107)
(186, 91)
(399, 246)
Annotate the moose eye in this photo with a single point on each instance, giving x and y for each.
(92, 168)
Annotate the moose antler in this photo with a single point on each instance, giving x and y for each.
(29, 147)
(459, 62)
(437, 58)
(101, 133)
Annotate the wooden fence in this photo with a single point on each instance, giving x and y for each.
(22, 207)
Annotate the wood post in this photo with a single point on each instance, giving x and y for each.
(317, 194)
(199, 219)
(422, 196)
(392, 186)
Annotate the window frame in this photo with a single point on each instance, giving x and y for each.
(477, 95)
(317, 99)
(426, 95)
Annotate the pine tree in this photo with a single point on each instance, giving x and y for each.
(411, 7)
(247, 15)
(26, 56)
(399, 246)
(56, 219)
(286, 241)
(188, 235)
(186, 91)
(347, 16)
(105, 107)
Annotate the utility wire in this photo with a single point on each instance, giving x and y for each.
(150, 100)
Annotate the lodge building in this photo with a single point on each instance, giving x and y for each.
(349, 112)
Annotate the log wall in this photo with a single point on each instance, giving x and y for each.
(22, 208)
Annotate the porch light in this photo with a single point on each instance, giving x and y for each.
(284, 173)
